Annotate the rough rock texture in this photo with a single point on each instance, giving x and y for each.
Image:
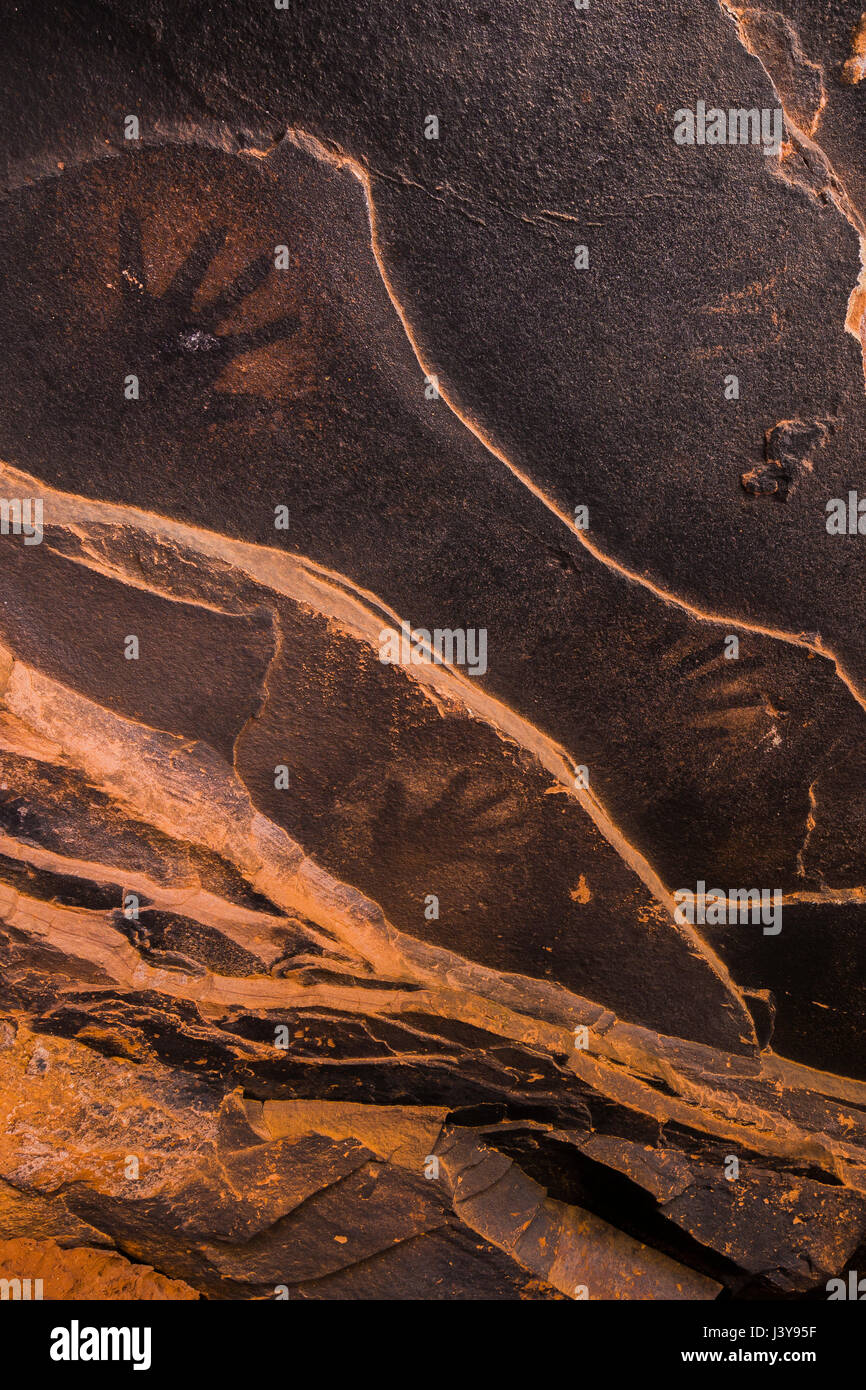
(328, 975)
